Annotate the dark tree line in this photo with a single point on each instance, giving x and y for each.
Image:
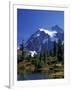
(22, 49)
(60, 52)
(57, 51)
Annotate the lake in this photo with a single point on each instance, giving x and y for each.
(32, 76)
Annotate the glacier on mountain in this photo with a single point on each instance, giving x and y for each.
(43, 39)
(50, 33)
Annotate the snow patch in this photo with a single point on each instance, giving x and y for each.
(33, 53)
(50, 33)
(38, 34)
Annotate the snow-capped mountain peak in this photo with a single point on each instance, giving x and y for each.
(50, 33)
(43, 39)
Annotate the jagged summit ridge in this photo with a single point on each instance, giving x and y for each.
(44, 38)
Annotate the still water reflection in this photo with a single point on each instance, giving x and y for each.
(32, 76)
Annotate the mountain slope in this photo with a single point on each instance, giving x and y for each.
(43, 39)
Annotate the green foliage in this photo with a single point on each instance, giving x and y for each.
(28, 57)
(40, 56)
(60, 50)
(47, 57)
(22, 50)
(51, 53)
(54, 48)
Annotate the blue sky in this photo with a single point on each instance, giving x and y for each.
(29, 21)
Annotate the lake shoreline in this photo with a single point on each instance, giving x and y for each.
(53, 71)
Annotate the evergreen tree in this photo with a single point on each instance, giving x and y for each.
(51, 52)
(59, 52)
(22, 50)
(29, 57)
(44, 57)
(54, 49)
(63, 53)
(40, 56)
